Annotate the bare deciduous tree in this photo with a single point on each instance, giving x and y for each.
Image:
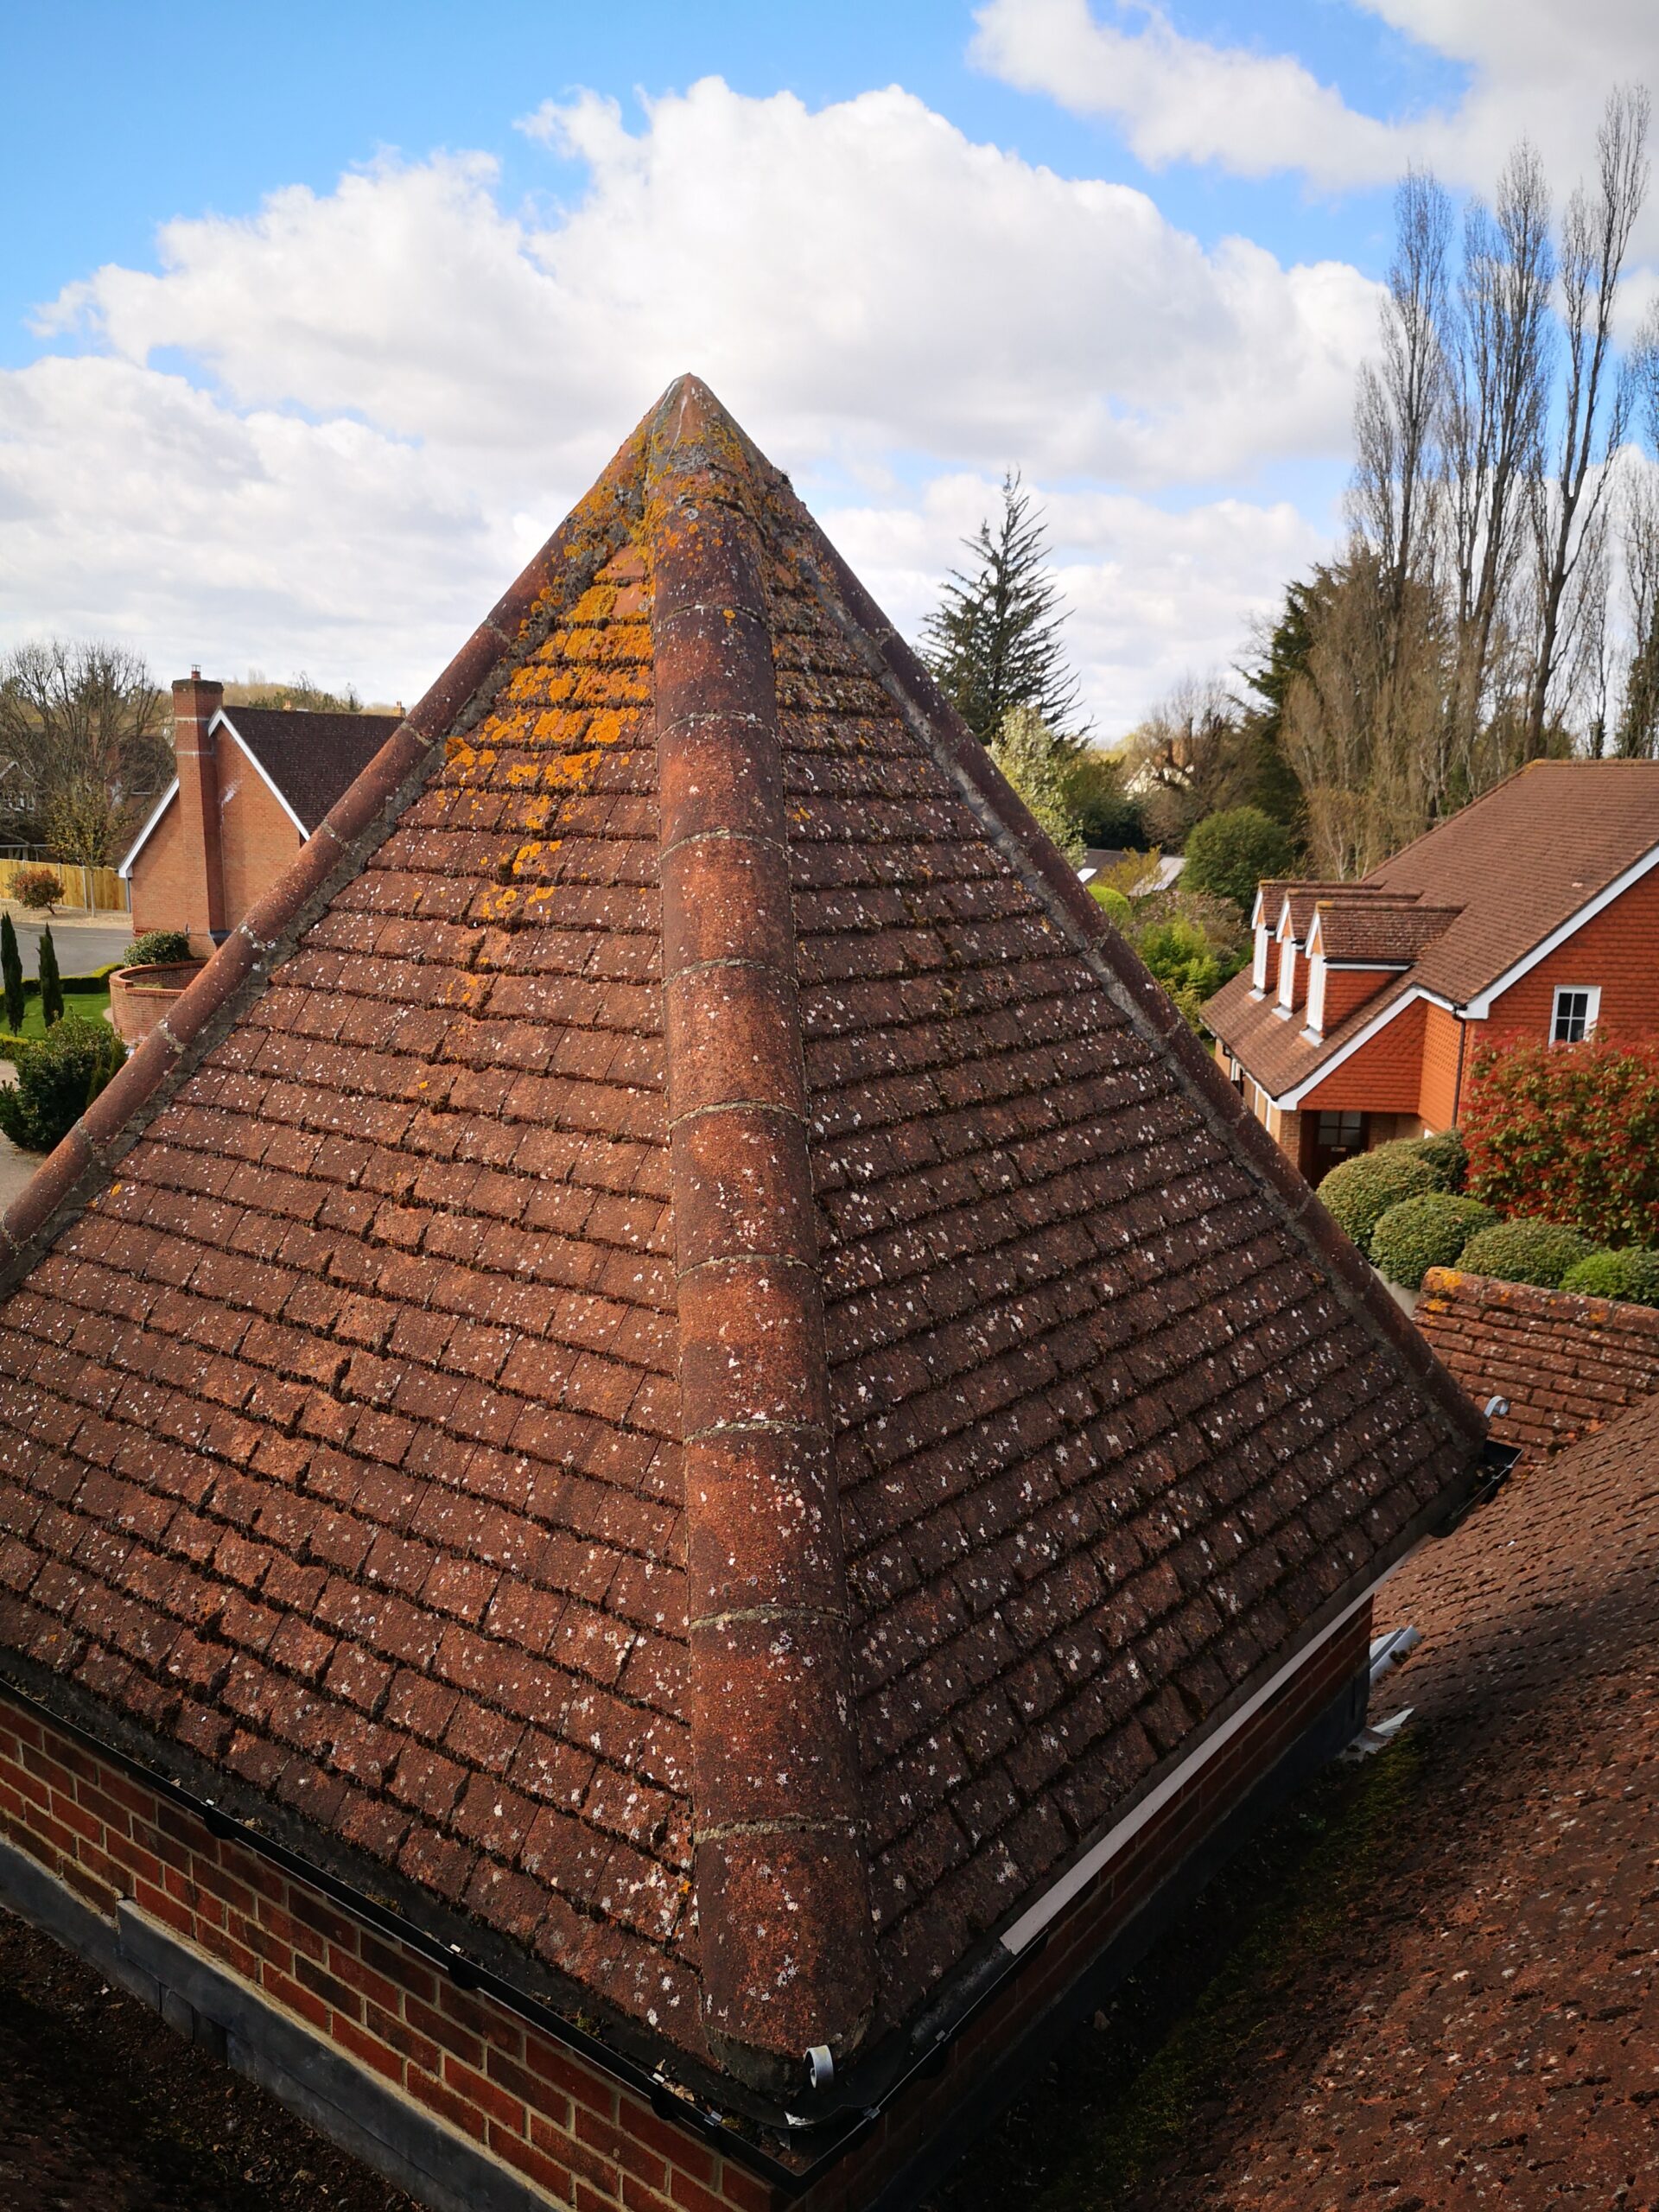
(81, 719)
(1597, 399)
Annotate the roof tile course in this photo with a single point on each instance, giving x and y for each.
(683, 1495)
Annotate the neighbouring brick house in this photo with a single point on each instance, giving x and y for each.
(675, 1456)
(253, 785)
(1532, 913)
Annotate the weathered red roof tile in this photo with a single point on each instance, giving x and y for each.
(675, 1329)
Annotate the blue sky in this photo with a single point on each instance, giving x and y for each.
(426, 265)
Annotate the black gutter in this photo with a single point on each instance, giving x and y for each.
(465, 1972)
(862, 2108)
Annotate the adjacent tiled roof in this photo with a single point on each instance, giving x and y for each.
(1521, 861)
(675, 1348)
(1377, 930)
(1479, 2030)
(1274, 1047)
(1301, 898)
(313, 758)
(1495, 880)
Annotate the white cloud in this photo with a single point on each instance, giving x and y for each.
(401, 385)
(1533, 69)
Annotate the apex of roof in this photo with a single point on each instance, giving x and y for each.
(674, 1349)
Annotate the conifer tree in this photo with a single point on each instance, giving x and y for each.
(11, 974)
(994, 641)
(51, 982)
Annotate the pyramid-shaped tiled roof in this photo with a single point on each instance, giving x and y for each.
(675, 1358)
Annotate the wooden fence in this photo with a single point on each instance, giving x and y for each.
(99, 889)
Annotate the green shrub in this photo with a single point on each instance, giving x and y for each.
(1425, 1232)
(1631, 1274)
(1538, 1252)
(58, 1080)
(1227, 854)
(1119, 913)
(1445, 1155)
(1359, 1191)
(157, 949)
(37, 888)
(1571, 1132)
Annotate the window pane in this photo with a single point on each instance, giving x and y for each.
(1572, 1016)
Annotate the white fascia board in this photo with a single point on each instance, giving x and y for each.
(1032, 1923)
(162, 804)
(1293, 1099)
(1480, 1006)
(222, 721)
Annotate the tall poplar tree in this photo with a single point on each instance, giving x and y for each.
(994, 641)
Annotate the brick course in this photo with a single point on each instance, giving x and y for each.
(1567, 1365)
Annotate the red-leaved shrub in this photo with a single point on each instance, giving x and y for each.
(1569, 1133)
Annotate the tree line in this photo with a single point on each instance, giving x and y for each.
(1497, 599)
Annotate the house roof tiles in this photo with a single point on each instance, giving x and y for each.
(674, 1346)
(313, 758)
(1487, 886)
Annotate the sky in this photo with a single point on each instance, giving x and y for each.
(315, 321)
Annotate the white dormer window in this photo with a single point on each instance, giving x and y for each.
(1316, 994)
(1259, 969)
(1287, 973)
(1572, 1017)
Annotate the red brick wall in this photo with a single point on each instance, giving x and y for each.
(157, 879)
(587, 2141)
(1384, 1077)
(536, 2105)
(1565, 1364)
(257, 837)
(1620, 951)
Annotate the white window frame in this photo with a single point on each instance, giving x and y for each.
(1259, 968)
(1287, 975)
(1591, 994)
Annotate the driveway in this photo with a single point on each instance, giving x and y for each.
(81, 947)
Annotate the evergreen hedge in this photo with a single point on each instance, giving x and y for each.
(1538, 1252)
(1424, 1232)
(1631, 1274)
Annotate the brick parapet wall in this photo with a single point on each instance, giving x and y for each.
(1567, 1365)
(530, 2102)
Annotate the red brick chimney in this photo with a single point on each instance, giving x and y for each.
(194, 705)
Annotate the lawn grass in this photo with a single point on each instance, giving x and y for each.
(1210, 2007)
(92, 1004)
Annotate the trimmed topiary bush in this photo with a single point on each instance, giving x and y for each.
(58, 1080)
(1447, 1155)
(1631, 1274)
(1538, 1252)
(158, 948)
(1425, 1232)
(1359, 1191)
